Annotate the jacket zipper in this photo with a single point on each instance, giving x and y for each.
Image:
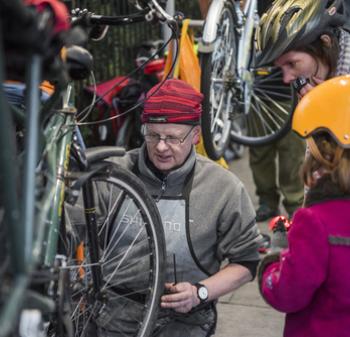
(162, 189)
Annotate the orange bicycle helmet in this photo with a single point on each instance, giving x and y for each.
(326, 108)
(292, 24)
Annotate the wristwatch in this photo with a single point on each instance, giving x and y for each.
(202, 292)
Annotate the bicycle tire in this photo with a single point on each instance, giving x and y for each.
(269, 114)
(217, 68)
(128, 278)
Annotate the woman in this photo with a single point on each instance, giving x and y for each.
(310, 280)
(308, 39)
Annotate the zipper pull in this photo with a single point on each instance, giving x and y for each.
(162, 189)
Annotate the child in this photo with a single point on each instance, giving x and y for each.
(309, 281)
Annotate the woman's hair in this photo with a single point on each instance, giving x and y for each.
(326, 54)
(312, 168)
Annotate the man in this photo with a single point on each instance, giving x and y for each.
(207, 215)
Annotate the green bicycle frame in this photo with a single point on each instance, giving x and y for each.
(33, 220)
(58, 133)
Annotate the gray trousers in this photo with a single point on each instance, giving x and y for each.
(200, 323)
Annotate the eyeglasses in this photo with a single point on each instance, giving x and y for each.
(154, 138)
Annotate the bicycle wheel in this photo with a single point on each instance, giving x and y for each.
(128, 256)
(263, 108)
(218, 69)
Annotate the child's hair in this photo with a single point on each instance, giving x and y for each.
(339, 172)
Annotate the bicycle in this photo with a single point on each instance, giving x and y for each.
(59, 276)
(243, 101)
(127, 91)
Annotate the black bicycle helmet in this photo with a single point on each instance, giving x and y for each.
(292, 24)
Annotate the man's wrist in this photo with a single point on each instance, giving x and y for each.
(201, 292)
(196, 300)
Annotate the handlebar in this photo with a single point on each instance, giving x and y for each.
(148, 11)
(159, 9)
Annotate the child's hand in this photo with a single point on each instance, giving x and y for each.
(279, 226)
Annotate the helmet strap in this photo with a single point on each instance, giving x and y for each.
(321, 159)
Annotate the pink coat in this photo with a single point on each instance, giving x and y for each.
(311, 282)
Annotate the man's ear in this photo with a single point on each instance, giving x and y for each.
(326, 40)
(196, 134)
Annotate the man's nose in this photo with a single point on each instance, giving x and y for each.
(162, 145)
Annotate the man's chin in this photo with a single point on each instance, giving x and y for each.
(164, 167)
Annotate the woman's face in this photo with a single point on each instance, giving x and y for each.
(296, 64)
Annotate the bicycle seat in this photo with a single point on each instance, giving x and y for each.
(79, 62)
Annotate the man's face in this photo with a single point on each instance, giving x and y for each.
(296, 64)
(164, 155)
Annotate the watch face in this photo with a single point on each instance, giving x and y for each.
(203, 293)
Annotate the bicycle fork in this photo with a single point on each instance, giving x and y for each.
(91, 225)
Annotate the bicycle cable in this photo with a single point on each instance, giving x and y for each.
(93, 103)
(141, 102)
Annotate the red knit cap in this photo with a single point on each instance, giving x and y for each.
(174, 102)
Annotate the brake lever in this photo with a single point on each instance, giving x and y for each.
(163, 14)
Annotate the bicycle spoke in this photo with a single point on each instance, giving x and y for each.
(112, 206)
(130, 264)
(262, 121)
(277, 105)
(125, 255)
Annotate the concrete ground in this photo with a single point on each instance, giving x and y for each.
(244, 313)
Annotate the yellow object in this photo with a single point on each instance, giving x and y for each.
(326, 107)
(187, 68)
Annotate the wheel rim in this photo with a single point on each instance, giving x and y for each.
(126, 301)
(222, 63)
(269, 113)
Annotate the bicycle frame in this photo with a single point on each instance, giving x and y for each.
(33, 217)
(58, 160)
(7, 165)
(248, 22)
(34, 238)
(247, 19)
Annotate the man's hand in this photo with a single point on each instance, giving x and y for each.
(182, 297)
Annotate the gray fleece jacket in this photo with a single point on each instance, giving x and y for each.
(222, 219)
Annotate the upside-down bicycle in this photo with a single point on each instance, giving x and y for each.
(243, 101)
